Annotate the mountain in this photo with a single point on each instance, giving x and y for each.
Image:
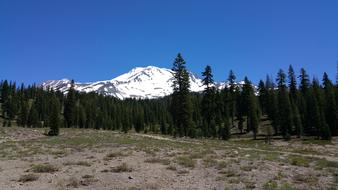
(141, 82)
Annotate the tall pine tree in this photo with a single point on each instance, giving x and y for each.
(181, 100)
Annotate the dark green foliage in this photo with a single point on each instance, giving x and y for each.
(70, 108)
(33, 117)
(54, 117)
(310, 110)
(208, 104)
(252, 110)
(232, 95)
(330, 105)
(181, 100)
(285, 118)
(23, 115)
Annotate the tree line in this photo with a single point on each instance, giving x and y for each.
(289, 106)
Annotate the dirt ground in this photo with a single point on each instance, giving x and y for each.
(91, 159)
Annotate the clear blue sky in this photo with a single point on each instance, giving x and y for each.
(91, 40)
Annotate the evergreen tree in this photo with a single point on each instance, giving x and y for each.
(321, 127)
(330, 105)
(272, 103)
(23, 115)
(304, 81)
(181, 101)
(250, 107)
(70, 107)
(263, 96)
(292, 85)
(284, 106)
(208, 103)
(33, 117)
(54, 116)
(232, 95)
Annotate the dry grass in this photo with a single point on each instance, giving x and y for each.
(28, 178)
(122, 168)
(158, 160)
(44, 168)
(185, 161)
(78, 163)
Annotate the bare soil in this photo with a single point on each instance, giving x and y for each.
(91, 159)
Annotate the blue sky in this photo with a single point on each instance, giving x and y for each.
(98, 40)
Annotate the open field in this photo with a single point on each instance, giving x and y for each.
(91, 159)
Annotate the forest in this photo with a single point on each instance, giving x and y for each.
(291, 106)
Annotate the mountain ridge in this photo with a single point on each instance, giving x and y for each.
(140, 82)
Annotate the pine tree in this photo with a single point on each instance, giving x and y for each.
(292, 85)
(304, 81)
(23, 115)
(330, 105)
(225, 133)
(208, 103)
(284, 106)
(272, 103)
(232, 95)
(250, 107)
(321, 127)
(33, 117)
(54, 117)
(263, 96)
(181, 101)
(70, 107)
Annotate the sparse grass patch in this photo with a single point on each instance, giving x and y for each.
(158, 160)
(299, 161)
(185, 161)
(122, 168)
(323, 163)
(230, 173)
(221, 164)
(316, 142)
(308, 178)
(248, 168)
(28, 178)
(78, 163)
(209, 162)
(270, 185)
(73, 182)
(113, 155)
(286, 186)
(44, 168)
(182, 171)
(172, 167)
(59, 153)
(87, 180)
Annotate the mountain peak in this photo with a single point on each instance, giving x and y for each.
(140, 82)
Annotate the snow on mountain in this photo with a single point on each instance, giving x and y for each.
(141, 82)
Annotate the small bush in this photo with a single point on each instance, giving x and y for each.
(209, 162)
(172, 167)
(299, 161)
(323, 163)
(73, 182)
(78, 163)
(28, 178)
(122, 168)
(270, 185)
(113, 155)
(185, 161)
(44, 168)
(158, 160)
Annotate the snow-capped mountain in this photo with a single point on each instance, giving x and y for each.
(141, 82)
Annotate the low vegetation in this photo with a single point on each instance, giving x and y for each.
(44, 168)
(28, 178)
